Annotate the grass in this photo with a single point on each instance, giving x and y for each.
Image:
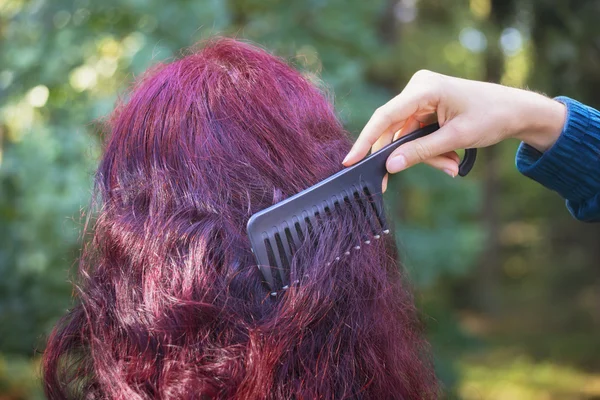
(19, 378)
(491, 375)
(499, 375)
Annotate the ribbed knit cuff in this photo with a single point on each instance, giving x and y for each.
(571, 166)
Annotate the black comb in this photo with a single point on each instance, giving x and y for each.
(275, 231)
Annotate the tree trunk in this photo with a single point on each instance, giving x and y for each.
(487, 282)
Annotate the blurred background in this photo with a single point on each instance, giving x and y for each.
(508, 283)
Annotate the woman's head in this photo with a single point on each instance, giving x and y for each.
(170, 302)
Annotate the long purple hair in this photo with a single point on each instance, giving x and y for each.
(170, 303)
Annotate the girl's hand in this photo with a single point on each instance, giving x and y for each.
(471, 114)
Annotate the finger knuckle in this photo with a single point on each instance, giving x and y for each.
(422, 152)
(422, 73)
(383, 114)
(459, 134)
(427, 83)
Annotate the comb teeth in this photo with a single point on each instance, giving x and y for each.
(281, 242)
(296, 218)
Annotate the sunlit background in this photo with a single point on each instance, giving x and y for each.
(508, 283)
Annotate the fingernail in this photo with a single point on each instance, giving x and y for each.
(346, 159)
(450, 172)
(396, 164)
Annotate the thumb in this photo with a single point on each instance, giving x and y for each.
(442, 141)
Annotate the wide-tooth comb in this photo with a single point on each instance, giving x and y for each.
(276, 231)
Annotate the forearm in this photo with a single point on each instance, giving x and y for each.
(571, 165)
(539, 120)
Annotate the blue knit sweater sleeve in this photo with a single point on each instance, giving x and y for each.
(571, 166)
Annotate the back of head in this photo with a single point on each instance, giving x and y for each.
(170, 302)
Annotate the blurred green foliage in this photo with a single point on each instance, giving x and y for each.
(501, 267)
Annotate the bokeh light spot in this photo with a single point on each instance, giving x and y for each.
(38, 96)
(473, 40)
(83, 78)
(511, 41)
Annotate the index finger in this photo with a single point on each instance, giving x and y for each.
(386, 119)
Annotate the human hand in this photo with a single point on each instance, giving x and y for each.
(471, 114)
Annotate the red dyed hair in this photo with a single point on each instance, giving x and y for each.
(170, 303)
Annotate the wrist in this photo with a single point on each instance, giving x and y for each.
(541, 121)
